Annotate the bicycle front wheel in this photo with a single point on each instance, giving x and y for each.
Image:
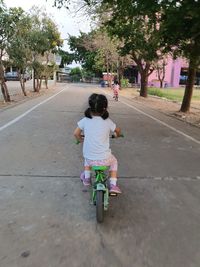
(99, 206)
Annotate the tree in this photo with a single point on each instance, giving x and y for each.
(44, 39)
(138, 28)
(181, 31)
(160, 68)
(76, 74)
(177, 23)
(136, 25)
(8, 20)
(85, 52)
(18, 48)
(107, 54)
(67, 58)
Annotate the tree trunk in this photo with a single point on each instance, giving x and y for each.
(37, 85)
(5, 93)
(107, 69)
(23, 87)
(120, 75)
(144, 84)
(185, 107)
(22, 83)
(161, 74)
(46, 82)
(34, 87)
(4, 87)
(34, 84)
(40, 83)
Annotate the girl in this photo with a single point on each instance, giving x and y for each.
(96, 148)
(116, 90)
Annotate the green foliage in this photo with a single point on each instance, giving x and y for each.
(124, 83)
(88, 75)
(139, 32)
(135, 24)
(81, 47)
(181, 27)
(172, 94)
(25, 37)
(8, 21)
(149, 29)
(155, 92)
(67, 58)
(76, 74)
(44, 35)
(76, 71)
(18, 49)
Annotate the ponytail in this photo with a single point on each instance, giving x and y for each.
(88, 113)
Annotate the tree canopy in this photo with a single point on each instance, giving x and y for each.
(27, 39)
(150, 28)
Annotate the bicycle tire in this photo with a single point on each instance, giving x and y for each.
(99, 206)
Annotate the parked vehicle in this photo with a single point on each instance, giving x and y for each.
(13, 76)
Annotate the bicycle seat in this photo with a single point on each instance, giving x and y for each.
(100, 168)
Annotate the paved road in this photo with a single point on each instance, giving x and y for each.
(46, 218)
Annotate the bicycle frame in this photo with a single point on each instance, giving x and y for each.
(100, 184)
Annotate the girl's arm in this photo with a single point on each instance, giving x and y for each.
(77, 134)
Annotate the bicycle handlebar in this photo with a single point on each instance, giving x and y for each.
(116, 136)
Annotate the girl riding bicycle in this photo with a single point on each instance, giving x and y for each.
(96, 127)
(116, 90)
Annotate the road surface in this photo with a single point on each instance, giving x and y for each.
(46, 219)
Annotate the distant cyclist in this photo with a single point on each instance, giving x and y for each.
(97, 127)
(116, 88)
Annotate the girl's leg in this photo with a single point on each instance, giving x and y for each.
(113, 176)
(87, 172)
(85, 176)
(112, 162)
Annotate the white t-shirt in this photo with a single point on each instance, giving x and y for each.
(96, 145)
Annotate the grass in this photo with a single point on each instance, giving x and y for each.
(173, 94)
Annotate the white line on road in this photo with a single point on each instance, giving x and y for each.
(28, 111)
(159, 121)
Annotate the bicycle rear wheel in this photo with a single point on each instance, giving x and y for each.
(99, 206)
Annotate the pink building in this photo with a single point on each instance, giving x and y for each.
(175, 73)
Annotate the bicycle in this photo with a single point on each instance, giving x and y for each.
(100, 189)
(116, 97)
(100, 192)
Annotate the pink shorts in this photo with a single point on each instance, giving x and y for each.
(116, 92)
(111, 161)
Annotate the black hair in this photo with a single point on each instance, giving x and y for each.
(97, 104)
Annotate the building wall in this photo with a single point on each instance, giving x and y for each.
(172, 73)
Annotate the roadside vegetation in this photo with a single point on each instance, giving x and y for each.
(126, 33)
(28, 42)
(173, 94)
(140, 31)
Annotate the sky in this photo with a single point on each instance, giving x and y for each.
(67, 23)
